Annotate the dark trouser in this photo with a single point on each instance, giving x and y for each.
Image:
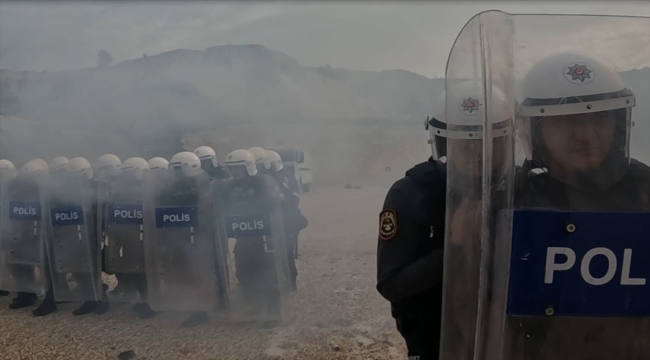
(292, 252)
(221, 271)
(257, 276)
(421, 333)
(423, 344)
(133, 281)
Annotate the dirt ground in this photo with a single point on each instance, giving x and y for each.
(337, 311)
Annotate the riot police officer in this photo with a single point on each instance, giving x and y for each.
(123, 241)
(576, 128)
(105, 170)
(7, 171)
(49, 305)
(412, 224)
(210, 164)
(31, 174)
(294, 220)
(410, 247)
(258, 252)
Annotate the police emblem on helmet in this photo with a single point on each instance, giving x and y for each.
(470, 105)
(579, 73)
(387, 224)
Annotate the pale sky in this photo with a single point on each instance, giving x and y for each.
(366, 35)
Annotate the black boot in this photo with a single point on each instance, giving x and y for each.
(87, 308)
(144, 311)
(48, 305)
(46, 308)
(197, 318)
(4, 293)
(23, 300)
(102, 307)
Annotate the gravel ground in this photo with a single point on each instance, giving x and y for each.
(337, 312)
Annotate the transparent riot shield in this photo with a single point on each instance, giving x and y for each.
(23, 262)
(548, 259)
(257, 251)
(121, 224)
(179, 242)
(72, 242)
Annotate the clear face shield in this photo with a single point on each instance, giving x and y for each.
(437, 138)
(238, 171)
(466, 145)
(588, 151)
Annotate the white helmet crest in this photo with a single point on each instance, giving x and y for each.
(35, 167)
(244, 158)
(79, 165)
(58, 163)
(258, 153)
(107, 165)
(274, 160)
(188, 162)
(207, 153)
(158, 163)
(135, 165)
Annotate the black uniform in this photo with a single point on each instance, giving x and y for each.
(31, 192)
(630, 194)
(410, 256)
(254, 263)
(215, 172)
(289, 172)
(100, 306)
(219, 173)
(294, 220)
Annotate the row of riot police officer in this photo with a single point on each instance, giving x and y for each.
(184, 235)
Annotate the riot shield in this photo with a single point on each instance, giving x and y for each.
(257, 252)
(121, 225)
(72, 242)
(549, 260)
(179, 241)
(23, 263)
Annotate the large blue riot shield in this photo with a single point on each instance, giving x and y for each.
(257, 253)
(23, 261)
(72, 240)
(121, 224)
(179, 239)
(548, 258)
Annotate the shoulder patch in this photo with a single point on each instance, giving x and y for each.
(387, 224)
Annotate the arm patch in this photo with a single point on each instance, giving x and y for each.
(387, 224)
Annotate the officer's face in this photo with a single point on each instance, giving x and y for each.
(467, 155)
(578, 142)
(238, 172)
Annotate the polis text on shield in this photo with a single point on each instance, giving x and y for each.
(25, 211)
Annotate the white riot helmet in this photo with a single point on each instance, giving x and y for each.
(35, 167)
(241, 159)
(79, 165)
(206, 153)
(459, 114)
(58, 164)
(107, 165)
(567, 91)
(158, 163)
(186, 161)
(136, 165)
(274, 160)
(259, 154)
(6, 167)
